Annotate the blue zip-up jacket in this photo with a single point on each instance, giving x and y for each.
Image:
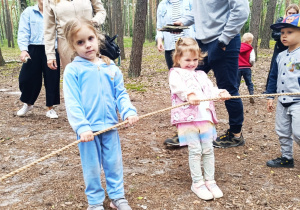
(93, 94)
(164, 17)
(31, 28)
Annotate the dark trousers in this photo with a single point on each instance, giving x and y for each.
(246, 73)
(31, 77)
(168, 57)
(225, 67)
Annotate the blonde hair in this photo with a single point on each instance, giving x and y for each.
(186, 45)
(292, 6)
(74, 25)
(247, 37)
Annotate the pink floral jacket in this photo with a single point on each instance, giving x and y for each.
(182, 83)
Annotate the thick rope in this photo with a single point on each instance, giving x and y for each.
(124, 122)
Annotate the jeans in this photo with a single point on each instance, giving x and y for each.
(225, 67)
(246, 73)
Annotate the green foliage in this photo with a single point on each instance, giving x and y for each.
(128, 42)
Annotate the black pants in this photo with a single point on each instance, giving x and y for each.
(169, 59)
(32, 74)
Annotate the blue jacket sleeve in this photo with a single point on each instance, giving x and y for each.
(74, 107)
(24, 30)
(124, 105)
(272, 82)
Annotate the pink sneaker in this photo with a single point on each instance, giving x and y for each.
(201, 191)
(214, 189)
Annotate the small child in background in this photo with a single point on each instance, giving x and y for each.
(285, 78)
(246, 61)
(94, 91)
(195, 122)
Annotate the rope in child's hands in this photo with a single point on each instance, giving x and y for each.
(125, 122)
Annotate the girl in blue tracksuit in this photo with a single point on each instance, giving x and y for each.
(94, 91)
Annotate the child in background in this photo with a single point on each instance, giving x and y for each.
(284, 78)
(94, 91)
(246, 61)
(195, 122)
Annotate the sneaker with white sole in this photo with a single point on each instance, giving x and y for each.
(214, 189)
(51, 114)
(201, 191)
(120, 204)
(24, 109)
(96, 207)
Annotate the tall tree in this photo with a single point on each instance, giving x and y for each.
(4, 18)
(266, 33)
(2, 62)
(150, 23)
(287, 3)
(9, 25)
(114, 14)
(119, 24)
(138, 39)
(255, 22)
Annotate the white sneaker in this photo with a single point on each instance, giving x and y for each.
(51, 114)
(24, 109)
(201, 191)
(214, 189)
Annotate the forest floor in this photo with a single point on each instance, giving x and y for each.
(155, 177)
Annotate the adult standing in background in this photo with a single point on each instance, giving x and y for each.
(31, 44)
(218, 23)
(279, 47)
(56, 14)
(168, 12)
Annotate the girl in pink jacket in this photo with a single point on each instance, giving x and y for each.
(195, 122)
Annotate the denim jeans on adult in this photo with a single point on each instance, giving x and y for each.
(246, 73)
(224, 63)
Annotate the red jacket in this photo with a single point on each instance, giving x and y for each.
(244, 55)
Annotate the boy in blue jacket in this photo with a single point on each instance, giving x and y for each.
(285, 78)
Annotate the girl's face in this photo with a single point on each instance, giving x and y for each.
(189, 61)
(291, 11)
(85, 43)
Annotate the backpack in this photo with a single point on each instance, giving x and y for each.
(110, 49)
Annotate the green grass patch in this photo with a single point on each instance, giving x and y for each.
(136, 87)
(128, 42)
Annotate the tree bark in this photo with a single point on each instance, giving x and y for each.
(255, 23)
(150, 23)
(266, 33)
(4, 19)
(287, 3)
(2, 61)
(8, 24)
(114, 12)
(119, 24)
(138, 38)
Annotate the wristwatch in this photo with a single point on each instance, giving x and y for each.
(221, 44)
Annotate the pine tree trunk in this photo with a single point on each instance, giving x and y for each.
(255, 22)
(138, 38)
(119, 30)
(2, 61)
(266, 33)
(4, 18)
(8, 24)
(150, 23)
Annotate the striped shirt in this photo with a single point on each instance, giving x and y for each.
(176, 15)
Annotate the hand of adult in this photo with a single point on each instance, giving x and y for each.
(52, 64)
(24, 56)
(160, 45)
(270, 105)
(177, 23)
